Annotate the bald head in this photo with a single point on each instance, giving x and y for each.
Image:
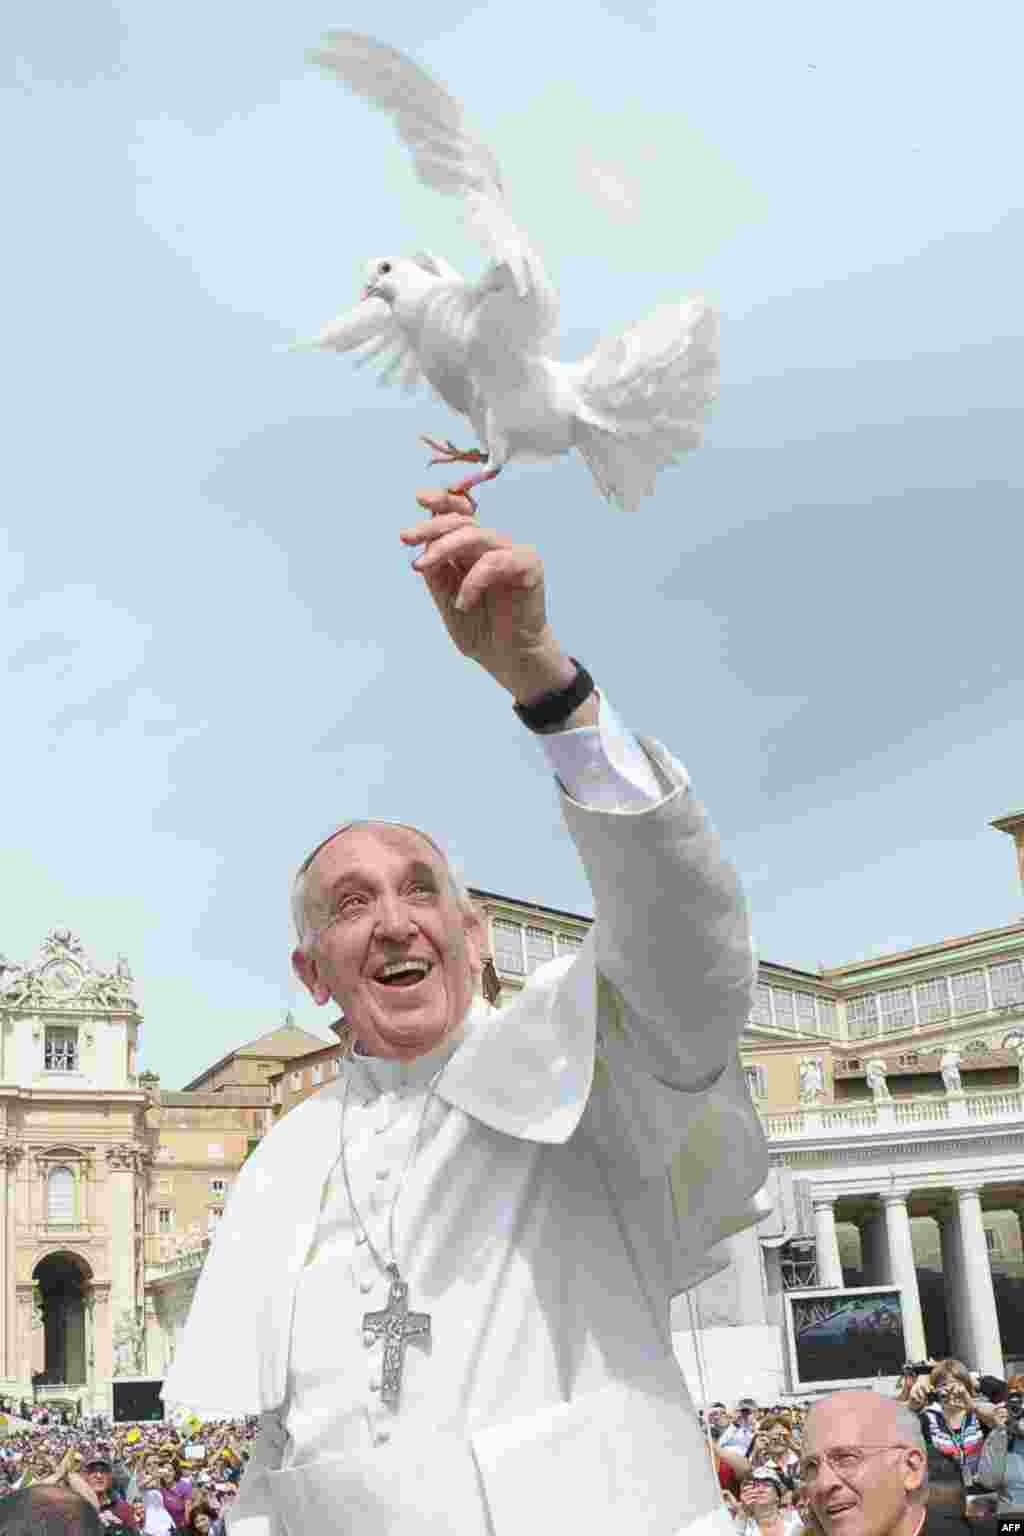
(865, 1465)
(49, 1509)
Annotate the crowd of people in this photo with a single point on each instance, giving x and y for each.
(161, 1479)
(781, 1469)
(967, 1428)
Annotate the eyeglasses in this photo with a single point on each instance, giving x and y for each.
(847, 1460)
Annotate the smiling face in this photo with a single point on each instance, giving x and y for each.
(878, 1497)
(99, 1481)
(389, 942)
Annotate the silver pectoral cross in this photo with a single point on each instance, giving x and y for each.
(396, 1325)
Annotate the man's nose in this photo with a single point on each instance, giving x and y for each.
(393, 918)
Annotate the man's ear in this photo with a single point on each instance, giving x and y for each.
(476, 940)
(305, 968)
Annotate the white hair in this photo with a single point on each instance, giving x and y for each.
(300, 917)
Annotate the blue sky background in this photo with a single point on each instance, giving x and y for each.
(214, 646)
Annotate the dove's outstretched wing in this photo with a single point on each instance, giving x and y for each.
(369, 330)
(449, 159)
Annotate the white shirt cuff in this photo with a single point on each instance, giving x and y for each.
(603, 765)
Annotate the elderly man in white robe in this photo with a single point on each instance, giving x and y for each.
(444, 1281)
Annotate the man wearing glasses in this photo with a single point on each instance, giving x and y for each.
(864, 1466)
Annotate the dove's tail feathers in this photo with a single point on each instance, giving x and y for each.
(644, 397)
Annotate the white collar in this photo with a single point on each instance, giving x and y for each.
(373, 1075)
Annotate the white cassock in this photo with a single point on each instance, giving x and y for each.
(584, 1148)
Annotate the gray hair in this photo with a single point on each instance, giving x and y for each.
(300, 917)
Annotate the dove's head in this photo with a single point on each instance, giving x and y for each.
(398, 279)
(382, 279)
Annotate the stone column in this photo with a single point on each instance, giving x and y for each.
(904, 1274)
(121, 1218)
(874, 1247)
(830, 1270)
(103, 1350)
(10, 1339)
(24, 1326)
(960, 1341)
(978, 1293)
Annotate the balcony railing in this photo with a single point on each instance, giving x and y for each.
(814, 1122)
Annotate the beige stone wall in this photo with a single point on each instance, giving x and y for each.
(299, 1080)
(193, 1147)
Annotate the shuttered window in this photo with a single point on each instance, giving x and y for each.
(60, 1197)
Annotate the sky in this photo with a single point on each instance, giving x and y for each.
(214, 647)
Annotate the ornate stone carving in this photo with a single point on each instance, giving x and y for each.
(123, 1155)
(812, 1079)
(12, 1153)
(949, 1066)
(129, 1345)
(64, 979)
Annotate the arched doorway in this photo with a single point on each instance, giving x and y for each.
(63, 1279)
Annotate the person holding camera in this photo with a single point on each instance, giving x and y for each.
(1001, 1464)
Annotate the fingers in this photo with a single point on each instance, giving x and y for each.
(466, 543)
(440, 503)
(515, 567)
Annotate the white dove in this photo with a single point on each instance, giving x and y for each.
(634, 405)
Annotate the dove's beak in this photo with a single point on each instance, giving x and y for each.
(369, 291)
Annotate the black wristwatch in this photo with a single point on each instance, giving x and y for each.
(552, 708)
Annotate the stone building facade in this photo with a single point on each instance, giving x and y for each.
(102, 1176)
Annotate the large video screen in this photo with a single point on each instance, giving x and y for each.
(135, 1400)
(846, 1335)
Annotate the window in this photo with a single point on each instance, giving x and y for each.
(757, 1078)
(60, 1197)
(761, 1013)
(569, 943)
(275, 1093)
(897, 1005)
(785, 1018)
(827, 1015)
(165, 1219)
(217, 1188)
(862, 1017)
(806, 1022)
(61, 1049)
(318, 1074)
(296, 1081)
(540, 948)
(933, 1000)
(1007, 983)
(508, 947)
(992, 1242)
(969, 994)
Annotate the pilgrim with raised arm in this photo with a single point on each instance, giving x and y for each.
(444, 1280)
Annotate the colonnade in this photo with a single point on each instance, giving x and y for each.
(888, 1259)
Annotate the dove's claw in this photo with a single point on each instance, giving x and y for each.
(447, 453)
(465, 486)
